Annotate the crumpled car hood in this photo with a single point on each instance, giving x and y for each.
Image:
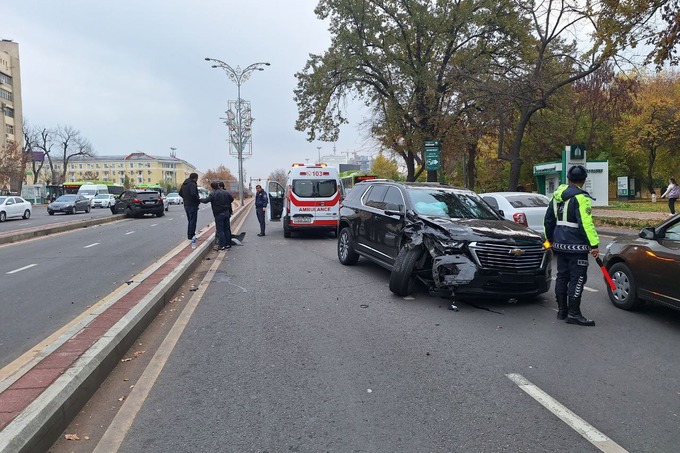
(470, 230)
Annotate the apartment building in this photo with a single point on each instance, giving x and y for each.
(139, 168)
(11, 118)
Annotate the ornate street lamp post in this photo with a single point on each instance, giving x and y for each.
(239, 123)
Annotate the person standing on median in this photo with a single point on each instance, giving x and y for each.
(220, 200)
(673, 193)
(261, 202)
(570, 230)
(189, 194)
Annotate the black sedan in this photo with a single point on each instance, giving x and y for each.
(69, 204)
(137, 202)
(646, 267)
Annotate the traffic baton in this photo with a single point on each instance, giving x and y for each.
(607, 277)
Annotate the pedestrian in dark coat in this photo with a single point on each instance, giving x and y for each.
(261, 201)
(189, 194)
(220, 201)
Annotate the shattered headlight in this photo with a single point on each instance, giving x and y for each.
(444, 247)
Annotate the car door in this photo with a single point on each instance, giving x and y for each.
(663, 268)
(13, 207)
(368, 234)
(389, 226)
(82, 203)
(121, 202)
(276, 197)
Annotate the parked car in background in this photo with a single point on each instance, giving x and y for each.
(13, 206)
(137, 202)
(646, 267)
(445, 237)
(174, 198)
(525, 208)
(69, 204)
(103, 200)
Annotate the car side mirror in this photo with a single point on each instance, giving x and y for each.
(500, 211)
(394, 209)
(648, 233)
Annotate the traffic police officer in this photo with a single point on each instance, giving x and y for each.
(569, 228)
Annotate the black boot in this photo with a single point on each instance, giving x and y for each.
(562, 306)
(574, 316)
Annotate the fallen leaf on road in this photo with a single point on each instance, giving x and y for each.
(126, 359)
(138, 353)
(122, 398)
(71, 437)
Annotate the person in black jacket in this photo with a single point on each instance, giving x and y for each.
(221, 201)
(261, 201)
(189, 193)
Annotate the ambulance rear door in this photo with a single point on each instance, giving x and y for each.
(276, 198)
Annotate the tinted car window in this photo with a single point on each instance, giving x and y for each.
(147, 196)
(2, 199)
(375, 197)
(446, 203)
(394, 198)
(528, 201)
(492, 201)
(673, 233)
(65, 198)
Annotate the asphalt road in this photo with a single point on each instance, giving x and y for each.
(290, 351)
(39, 217)
(48, 281)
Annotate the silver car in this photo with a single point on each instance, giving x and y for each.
(104, 200)
(12, 206)
(69, 204)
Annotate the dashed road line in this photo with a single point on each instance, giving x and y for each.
(91, 245)
(129, 232)
(21, 269)
(586, 430)
(153, 224)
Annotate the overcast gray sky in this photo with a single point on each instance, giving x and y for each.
(131, 75)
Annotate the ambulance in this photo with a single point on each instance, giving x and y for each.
(310, 200)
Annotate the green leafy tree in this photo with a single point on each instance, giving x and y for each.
(385, 168)
(402, 58)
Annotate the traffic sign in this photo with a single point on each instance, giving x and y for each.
(432, 155)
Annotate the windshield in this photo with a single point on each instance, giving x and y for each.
(173, 194)
(447, 203)
(315, 188)
(2, 199)
(65, 198)
(99, 197)
(87, 192)
(528, 201)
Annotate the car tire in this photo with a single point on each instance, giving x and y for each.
(73, 210)
(87, 209)
(50, 212)
(625, 294)
(128, 213)
(27, 214)
(160, 214)
(286, 228)
(346, 253)
(402, 280)
(3, 216)
(166, 209)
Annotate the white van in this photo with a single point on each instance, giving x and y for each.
(310, 200)
(90, 191)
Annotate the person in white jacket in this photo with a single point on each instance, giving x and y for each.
(673, 193)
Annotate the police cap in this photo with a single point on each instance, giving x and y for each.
(577, 173)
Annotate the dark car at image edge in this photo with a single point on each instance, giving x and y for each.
(646, 267)
(445, 237)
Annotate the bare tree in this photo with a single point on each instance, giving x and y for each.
(70, 144)
(279, 175)
(44, 141)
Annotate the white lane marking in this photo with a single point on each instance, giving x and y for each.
(592, 435)
(129, 232)
(91, 245)
(587, 288)
(154, 224)
(122, 422)
(21, 269)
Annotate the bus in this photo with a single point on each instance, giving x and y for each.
(351, 177)
(74, 187)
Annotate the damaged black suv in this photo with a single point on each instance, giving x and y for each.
(446, 237)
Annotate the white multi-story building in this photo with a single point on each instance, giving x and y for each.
(11, 118)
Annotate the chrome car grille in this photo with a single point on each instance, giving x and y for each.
(503, 256)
